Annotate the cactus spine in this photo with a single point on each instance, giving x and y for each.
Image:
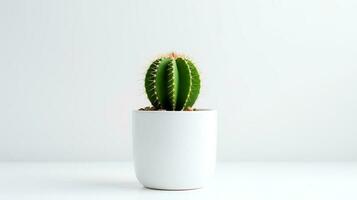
(172, 83)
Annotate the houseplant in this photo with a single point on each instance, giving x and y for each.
(174, 145)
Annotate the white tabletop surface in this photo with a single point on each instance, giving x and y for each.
(116, 180)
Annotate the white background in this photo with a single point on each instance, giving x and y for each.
(282, 74)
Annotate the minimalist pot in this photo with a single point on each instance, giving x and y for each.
(174, 150)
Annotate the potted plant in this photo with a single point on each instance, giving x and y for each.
(174, 145)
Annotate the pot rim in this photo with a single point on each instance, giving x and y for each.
(202, 110)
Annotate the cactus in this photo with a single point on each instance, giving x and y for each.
(172, 83)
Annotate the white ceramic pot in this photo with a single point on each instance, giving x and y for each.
(174, 150)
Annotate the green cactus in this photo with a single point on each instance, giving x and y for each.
(172, 83)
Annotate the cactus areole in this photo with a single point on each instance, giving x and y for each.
(172, 83)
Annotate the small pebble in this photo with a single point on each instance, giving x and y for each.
(189, 109)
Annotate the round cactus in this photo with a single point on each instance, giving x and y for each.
(172, 83)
